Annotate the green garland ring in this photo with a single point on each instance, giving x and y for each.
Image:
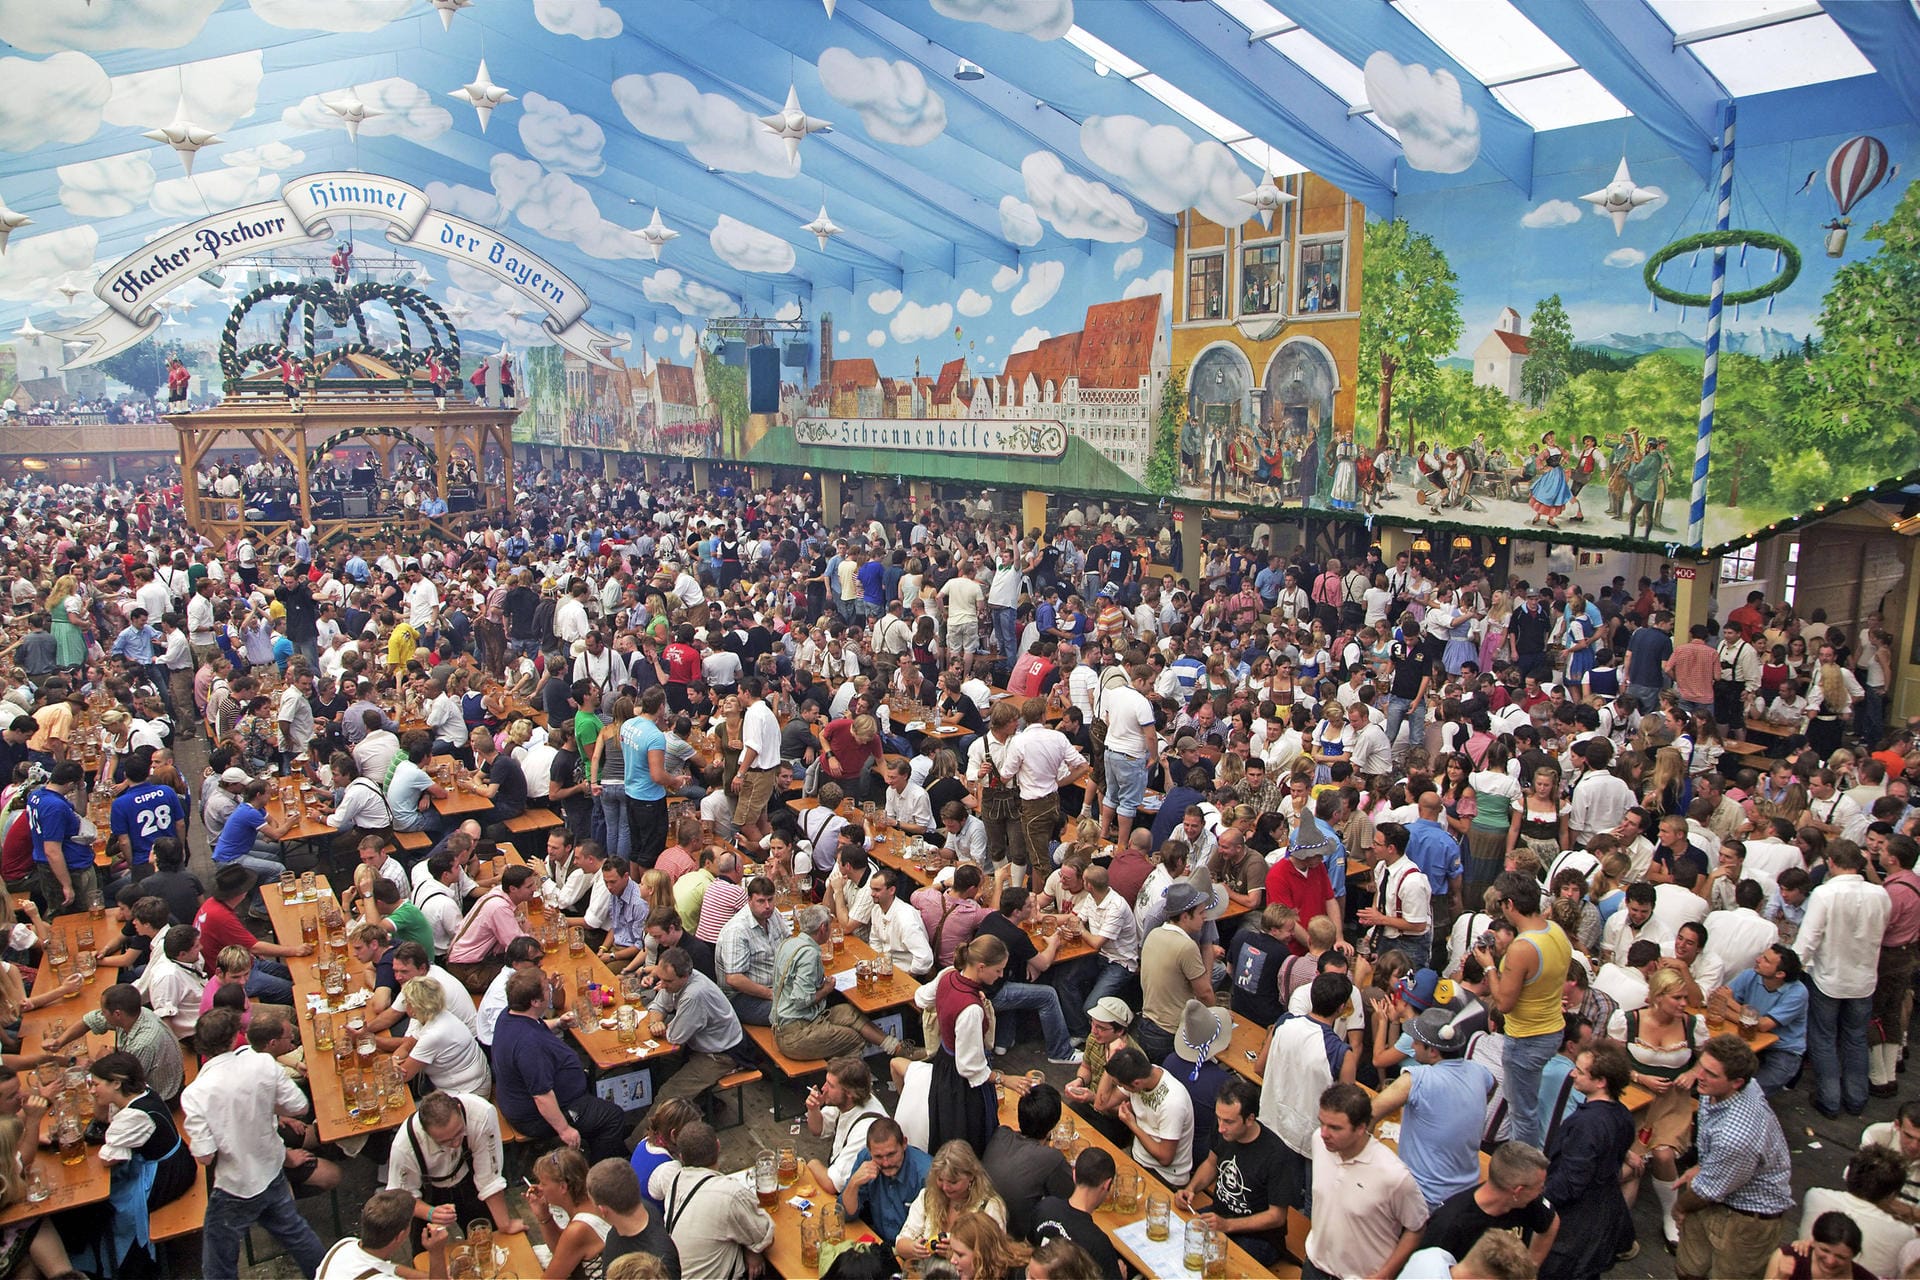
(1789, 271)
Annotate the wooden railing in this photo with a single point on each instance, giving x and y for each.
(67, 438)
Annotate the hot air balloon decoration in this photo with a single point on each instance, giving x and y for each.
(1856, 167)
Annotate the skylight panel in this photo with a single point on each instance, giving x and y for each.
(1560, 100)
(1312, 56)
(1103, 54)
(1690, 17)
(1490, 38)
(1268, 158)
(1255, 15)
(1810, 51)
(1192, 108)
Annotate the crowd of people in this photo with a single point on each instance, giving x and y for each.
(1510, 868)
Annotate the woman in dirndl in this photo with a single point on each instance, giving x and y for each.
(1551, 493)
(961, 1102)
(1664, 1041)
(149, 1161)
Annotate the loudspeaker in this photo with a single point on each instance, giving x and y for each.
(358, 506)
(763, 380)
(796, 355)
(733, 353)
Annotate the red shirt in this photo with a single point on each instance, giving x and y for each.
(219, 927)
(1308, 894)
(848, 752)
(16, 852)
(683, 663)
(1029, 678)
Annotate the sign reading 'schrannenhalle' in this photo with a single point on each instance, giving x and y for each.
(1029, 438)
(132, 286)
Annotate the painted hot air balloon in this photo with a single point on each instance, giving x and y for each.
(1856, 167)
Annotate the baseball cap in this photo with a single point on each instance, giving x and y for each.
(1424, 990)
(1111, 1009)
(235, 778)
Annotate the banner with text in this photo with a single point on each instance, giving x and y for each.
(1032, 438)
(303, 213)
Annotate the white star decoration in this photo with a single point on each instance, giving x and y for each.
(1620, 197)
(28, 331)
(656, 233)
(483, 95)
(1266, 199)
(791, 124)
(821, 227)
(10, 222)
(350, 109)
(183, 136)
(447, 8)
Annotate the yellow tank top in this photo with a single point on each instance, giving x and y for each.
(1538, 1011)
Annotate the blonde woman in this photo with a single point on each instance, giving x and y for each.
(957, 1183)
(438, 1044)
(1493, 634)
(560, 1187)
(68, 608)
(607, 771)
(32, 1247)
(1664, 1040)
(116, 739)
(656, 890)
(980, 1249)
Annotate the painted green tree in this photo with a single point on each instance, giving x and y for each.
(1163, 464)
(1549, 351)
(1409, 316)
(141, 366)
(727, 384)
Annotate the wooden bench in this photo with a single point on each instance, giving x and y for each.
(793, 1069)
(518, 1153)
(184, 1216)
(413, 841)
(734, 1083)
(1745, 748)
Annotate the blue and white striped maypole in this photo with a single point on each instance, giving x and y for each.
(1710, 376)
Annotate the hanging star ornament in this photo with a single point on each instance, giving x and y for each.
(483, 95)
(821, 227)
(791, 124)
(829, 4)
(1620, 197)
(10, 222)
(1266, 199)
(350, 109)
(656, 233)
(28, 330)
(447, 8)
(68, 290)
(183, 136)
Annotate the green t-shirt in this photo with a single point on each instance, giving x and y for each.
(586, 728)
(410, 926)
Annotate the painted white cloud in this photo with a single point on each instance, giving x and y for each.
(1005, 278)
(1165, 168)
(268, 155)
(463, 201)
(1041, 19)
(32, 265)
(689, 297)
(1160, 282)
(748, 248)
(688, 341)
(1438, 131)
(787, 311)
(57, 99)
(587, 19)
(212, 190)
(1078, 209)
(893, 98)
(1625, 257)
(1127, 261)
(406, 111)
(877, 338)
(1042, 283)
(715, 130)
(843, 335)
(556, 206)
(883, 302)
(106, 188)
(1019, 223)
(917, 323)
(974, 303)
(219, 92)
(38, 27)
(333, 15)
(561, 139)
(1554, 213)
(1028, 340)
(660, 333)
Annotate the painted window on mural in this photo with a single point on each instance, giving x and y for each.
(1323, 273)
(1263, 278)
(1205, 277)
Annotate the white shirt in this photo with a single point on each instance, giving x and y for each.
(1407, 895)
(1372, 753)
(1297, 1074)
(1736, 938)
(349, 1260)
(1620, 934)
(232, 1110)
(1882, 1236)
(423, 602)
(1039, 757)
(1628, 987)
(1128, 715)
(459, 1003)
(492, 1005)
(909, 806)
(451, 1057)
(442, 910)
(1839, 939)
(899, 932)
(760, 729)
(1672, 907)
(1165, 1111)
(173, 992)
(1111, 920)
(483, 1149)
(1600, 802)
(1767, 858)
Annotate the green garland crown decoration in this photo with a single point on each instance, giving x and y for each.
(306, 300)
(1736, 237)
